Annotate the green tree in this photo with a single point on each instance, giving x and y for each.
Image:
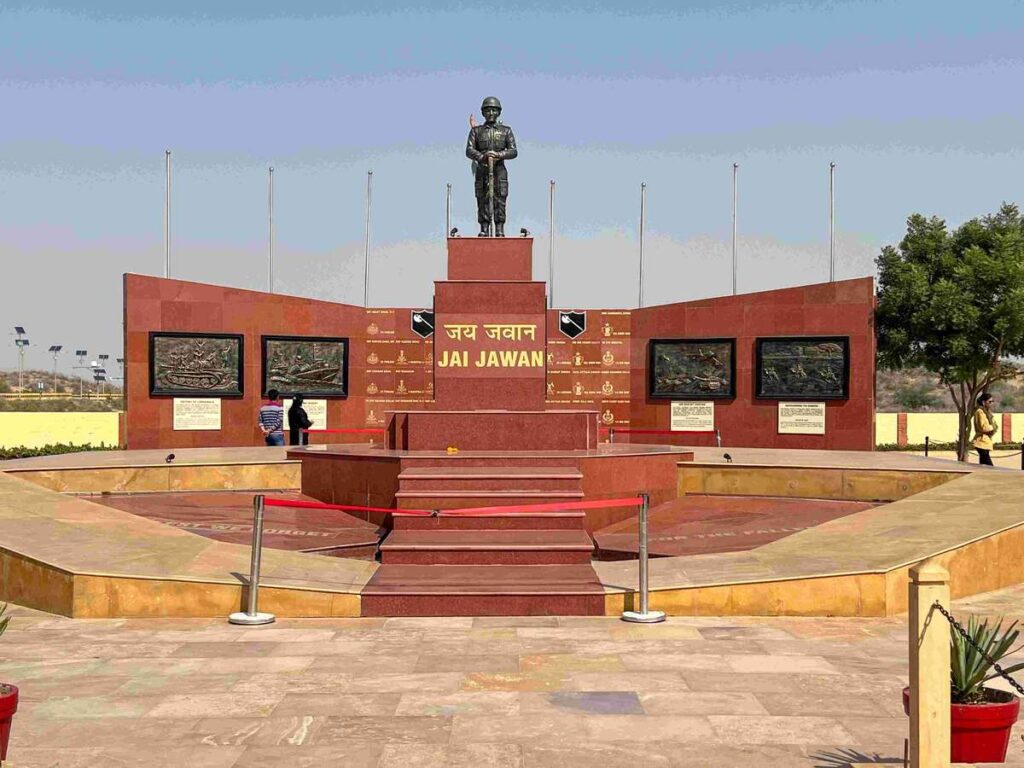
(915, 396)
(953, 303)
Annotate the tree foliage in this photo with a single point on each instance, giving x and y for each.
(953, 303)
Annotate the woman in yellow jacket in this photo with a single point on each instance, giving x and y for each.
(984, 429)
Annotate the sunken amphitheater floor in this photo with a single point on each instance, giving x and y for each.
(773, 532)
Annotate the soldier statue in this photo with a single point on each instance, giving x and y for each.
(489, 146)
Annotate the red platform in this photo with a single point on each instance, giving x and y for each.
(493, 430)
(498, 258)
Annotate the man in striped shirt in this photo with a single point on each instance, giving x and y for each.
(271, 419)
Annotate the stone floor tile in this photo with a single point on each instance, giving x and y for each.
(429, 622)
(231, 650)
(586, 702)
(534, 727)
(786, 664)
(42, 757)
(156, 685)
(272, 633)
(514, 621)
(352, 704)
(657, 755)
(388, 682)
(102, 733)
(304, 681)
(67, 707)
(462, 663)
(823, 703)
(672, 662)
(735, 729)
(79, 685)
(701, 703)
(287, 730)
(570, 662)
(643, 728)
(625, 681)
(875, 732)
(351, 755)
(230, 704)
(346, 663)
(460, 756)
(450, 704)
(513, 681)
(420, 730)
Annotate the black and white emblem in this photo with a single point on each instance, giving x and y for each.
(572, 324)
(423, 323)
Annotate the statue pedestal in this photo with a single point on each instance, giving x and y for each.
(490, 258)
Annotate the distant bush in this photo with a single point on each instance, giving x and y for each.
(60, 405)
(54, 449)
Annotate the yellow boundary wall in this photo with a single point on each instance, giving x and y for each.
(33, 429)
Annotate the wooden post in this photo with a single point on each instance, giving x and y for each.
(929, 667)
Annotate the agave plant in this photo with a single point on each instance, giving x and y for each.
(969, 669)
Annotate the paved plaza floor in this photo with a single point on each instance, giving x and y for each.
(530, 692)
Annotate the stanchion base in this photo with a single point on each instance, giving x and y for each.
(251, 620)
(651, 617)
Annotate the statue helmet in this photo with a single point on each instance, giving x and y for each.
(491, 101)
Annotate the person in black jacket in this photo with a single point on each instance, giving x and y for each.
(298, 420)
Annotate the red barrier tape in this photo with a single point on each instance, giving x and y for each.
(558, 506)
(299, 504)
(341, 431)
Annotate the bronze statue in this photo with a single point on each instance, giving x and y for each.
(489, 146)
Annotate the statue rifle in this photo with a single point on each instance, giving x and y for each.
(490, 190)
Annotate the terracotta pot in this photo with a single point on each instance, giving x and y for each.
(980, 732)
(8, 706)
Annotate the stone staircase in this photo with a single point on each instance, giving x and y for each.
(487, 564)
(460, 485)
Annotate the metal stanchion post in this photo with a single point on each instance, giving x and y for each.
(718, 437)
(644, 615)
(611, 434)
(926, 441)
(252, 616)
(1022, 456)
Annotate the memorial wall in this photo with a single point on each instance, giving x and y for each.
(200, 357)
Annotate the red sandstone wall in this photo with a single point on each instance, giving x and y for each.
(392, 368)
(389, 366)
(843, 308)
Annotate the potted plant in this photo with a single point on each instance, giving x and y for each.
(981, 718)
(8, 699)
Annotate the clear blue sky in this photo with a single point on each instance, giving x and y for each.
(917, 103)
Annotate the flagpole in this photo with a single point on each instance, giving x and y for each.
(366, 243)
(643, 203)
(270, 218)
(831, 223)
(735, 168)
(551, 245)
(167, 214)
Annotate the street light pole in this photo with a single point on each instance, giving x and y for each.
(551, 245)
(55, 350)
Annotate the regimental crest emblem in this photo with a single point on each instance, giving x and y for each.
(607, 358)
(372, 359)
(400, 389)
(372, 329)
(608, 417)
(607, 388)
(572, 324)
(423, 323)
(371, 389)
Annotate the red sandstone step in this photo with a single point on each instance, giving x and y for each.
(498, 478)
(447, 547)
(500, 460)
(440, 499)
(483, 590)
(573, 521)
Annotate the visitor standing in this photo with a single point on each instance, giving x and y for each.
(271, 419)
(298, 420)
(984, 428)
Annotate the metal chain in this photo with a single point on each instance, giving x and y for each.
(970, 640)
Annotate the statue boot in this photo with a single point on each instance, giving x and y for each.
(484, 231)
(499, 230)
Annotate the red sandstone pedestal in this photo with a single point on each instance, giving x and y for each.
(493, 430)
(490, 258)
